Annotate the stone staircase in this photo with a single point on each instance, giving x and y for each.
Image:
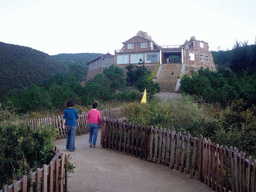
(166, 81)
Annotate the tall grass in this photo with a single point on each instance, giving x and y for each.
(230, 126)
(181, 114)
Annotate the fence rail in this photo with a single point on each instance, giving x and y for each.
(221, 168)
(52, 177)
(57, 121)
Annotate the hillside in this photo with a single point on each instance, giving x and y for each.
(76, 59)
(22, 66)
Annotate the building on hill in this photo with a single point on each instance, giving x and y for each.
(175, 60)
(196, 54)
(193, 53)
(98, 65)
(137, 49)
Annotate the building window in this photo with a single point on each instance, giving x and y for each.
(152, 57)
(130, 46)
(136, 58)
(122, 59)
(201, 44)
(207, 58)
(144, 45)
(191, 56)
(201, 57)
(191, 46)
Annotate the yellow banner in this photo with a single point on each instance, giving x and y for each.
(144, 98)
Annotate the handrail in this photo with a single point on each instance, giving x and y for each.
(170, 46)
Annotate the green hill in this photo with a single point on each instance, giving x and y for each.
(76, 58)
(22, 66)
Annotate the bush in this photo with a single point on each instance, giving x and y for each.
(237, 127)
(180, 114)
(23, 149)
(129, 95)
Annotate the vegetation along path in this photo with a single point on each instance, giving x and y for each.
(99, 169)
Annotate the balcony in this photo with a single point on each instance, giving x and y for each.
(169, 46)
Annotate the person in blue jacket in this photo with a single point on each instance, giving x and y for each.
(70, 123)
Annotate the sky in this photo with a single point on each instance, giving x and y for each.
(100, 26)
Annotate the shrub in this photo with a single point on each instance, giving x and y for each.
(182, 114)
(129, 95)
(23, 149)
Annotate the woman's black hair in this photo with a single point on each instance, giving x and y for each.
(94, 105)
(70, 103)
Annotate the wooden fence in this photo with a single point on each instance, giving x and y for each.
(221, 168)
(52, 177)
(56, 122)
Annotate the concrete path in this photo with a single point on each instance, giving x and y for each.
(104, 170)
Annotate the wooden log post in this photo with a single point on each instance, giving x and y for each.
(137, 130)
(222, 168)
(168, 141)
(163, 161)
(182, 163)
(249, 181)
(15, 185)
(156, 145)
(133, 138)
(38, 179)
(171, 165)
(62, 171)
(45, 172)
(129, 138)
(151, 144)
(125, 128)
(56, 189)
(51, 169)
(200, 159)
(254, 176)
(31, 181)
(24, 184)
(192, 170)
(160, 145)
(231, 156)
(177, 162)
(227, 165)
(188, 154)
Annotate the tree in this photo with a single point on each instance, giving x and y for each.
(116, 76)
(35, 98)
(134, 73)
(145, 82)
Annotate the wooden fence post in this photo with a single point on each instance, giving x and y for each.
(156, 145)
(188, 154)
(24, 183)
(45, 171)
(103, 132)
(151, 144)
(200, 159)
(171, 165)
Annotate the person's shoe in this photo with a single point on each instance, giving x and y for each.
(90, 145)
(94, 146)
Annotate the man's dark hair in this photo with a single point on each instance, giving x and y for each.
(94, 105)
(70, 103)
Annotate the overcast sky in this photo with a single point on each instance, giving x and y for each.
(100, 26)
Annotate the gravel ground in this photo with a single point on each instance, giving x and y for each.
(99, 170)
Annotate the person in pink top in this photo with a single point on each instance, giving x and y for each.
(94, 121)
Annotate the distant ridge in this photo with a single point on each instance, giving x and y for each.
(76, 58)
(22, 66)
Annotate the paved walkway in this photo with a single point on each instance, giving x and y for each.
(104, 170)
